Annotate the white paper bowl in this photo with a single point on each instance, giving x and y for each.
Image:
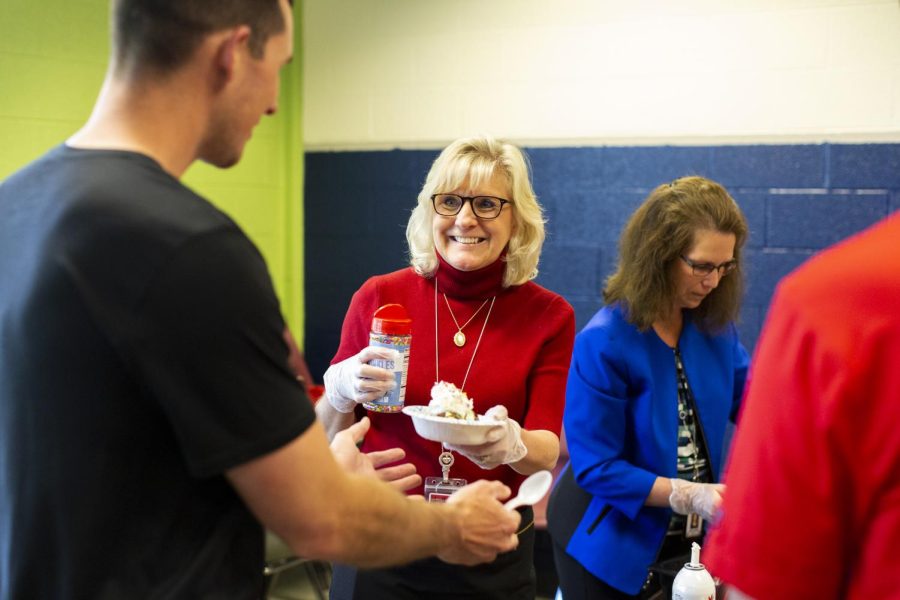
(449, 431)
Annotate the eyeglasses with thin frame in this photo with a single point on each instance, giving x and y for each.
(705, 269)
(484, 207)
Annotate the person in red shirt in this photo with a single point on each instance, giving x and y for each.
(813, 502)
(479, 322)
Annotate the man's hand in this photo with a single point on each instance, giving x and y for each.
(345, 449)
(483, 528)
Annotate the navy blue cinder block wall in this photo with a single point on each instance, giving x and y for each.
(798, 199)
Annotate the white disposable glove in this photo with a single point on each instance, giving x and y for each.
(353, 380)
(504, 446)
(701, 498)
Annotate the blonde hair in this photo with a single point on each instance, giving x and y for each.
(473, 161)
(657, 234)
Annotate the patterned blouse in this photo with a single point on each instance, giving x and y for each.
(693, 458)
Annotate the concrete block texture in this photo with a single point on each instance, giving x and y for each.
(814, 221)
(798, 199)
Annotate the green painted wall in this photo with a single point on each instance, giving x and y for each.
(53, 55)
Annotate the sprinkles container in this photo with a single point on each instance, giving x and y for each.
(391, 328)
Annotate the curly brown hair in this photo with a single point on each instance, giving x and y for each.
(657, 234)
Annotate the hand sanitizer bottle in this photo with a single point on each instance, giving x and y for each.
(693, 581)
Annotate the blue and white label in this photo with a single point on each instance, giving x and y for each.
(393, 400)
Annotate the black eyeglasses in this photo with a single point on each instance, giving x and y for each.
(705, 269)
(484, 207)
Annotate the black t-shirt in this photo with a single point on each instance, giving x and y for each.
(141, 355)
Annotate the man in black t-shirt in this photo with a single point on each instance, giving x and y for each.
(149, 424)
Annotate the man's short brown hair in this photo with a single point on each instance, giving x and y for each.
(160, 35)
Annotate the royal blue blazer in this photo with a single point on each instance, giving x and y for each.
(621, 423)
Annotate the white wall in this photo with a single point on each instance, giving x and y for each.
(418, 73)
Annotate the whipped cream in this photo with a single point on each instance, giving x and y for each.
(449, 401)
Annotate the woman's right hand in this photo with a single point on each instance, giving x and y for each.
(701, 498)
(353, 380)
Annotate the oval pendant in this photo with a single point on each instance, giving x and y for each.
(459, 338)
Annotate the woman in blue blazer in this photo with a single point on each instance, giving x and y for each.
(655, 376)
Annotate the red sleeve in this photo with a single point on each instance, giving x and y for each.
(783, 533)
(547, 380)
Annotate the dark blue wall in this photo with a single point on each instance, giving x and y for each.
(797, 198)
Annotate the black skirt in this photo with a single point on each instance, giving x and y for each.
(510, 577)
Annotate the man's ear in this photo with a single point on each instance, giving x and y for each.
(230, 51)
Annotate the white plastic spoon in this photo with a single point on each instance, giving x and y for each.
(532, 490)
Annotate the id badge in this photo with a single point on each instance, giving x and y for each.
(438, 489)
(693, 527)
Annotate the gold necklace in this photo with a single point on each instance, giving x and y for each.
(459, 338)
(437, 358)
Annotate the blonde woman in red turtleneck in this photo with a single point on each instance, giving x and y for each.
(475, 237)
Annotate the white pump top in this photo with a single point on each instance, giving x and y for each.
(694, 582)
(695, 555)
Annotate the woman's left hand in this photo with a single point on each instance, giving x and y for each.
(505, 445)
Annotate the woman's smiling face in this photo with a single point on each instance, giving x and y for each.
(467, 242)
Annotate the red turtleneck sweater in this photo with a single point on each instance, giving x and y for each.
(522, 361)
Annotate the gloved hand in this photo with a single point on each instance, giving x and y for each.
(504, 446)
(701, 498)
(353, 380)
